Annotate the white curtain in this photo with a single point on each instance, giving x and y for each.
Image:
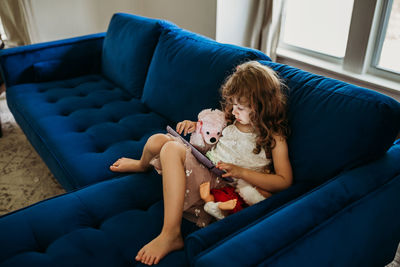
(18, 23)
(266, 26)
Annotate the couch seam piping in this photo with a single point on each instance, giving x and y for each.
(35, 49)
(247, 50)
(335, 91)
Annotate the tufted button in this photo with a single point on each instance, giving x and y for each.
(115, 120)
(51, 100)
(135, 138)
(65, 113)
(82, 94)
(98, 106)
(40, 250)
(100, 149)
(96, 225)
(70, 85)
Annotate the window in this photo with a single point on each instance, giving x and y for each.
(318, 27)
(388, 47)
(355, 38)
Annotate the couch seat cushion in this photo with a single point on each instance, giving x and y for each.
(83, 122)
(104, 224)
(186, 72)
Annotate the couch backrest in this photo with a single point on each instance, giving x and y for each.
(186, 72)
(335, 125)
(128, 48)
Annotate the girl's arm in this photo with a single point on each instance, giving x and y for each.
(273, 183)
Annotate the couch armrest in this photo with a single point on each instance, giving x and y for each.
(207, 237)
(52, 60)
(351, 220)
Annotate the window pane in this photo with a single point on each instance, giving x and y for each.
(318, 25)
(390, 54)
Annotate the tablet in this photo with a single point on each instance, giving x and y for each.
(200, 157)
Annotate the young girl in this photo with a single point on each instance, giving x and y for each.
(253, 148)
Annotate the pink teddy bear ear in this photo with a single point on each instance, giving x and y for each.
(204, 113)
(199, 124)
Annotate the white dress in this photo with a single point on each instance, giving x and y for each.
(236, 147)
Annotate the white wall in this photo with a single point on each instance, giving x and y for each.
(234, 20)
(59, 19)
(195, 15)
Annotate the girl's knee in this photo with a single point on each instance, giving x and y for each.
(156, 142)
(173, 148)
(159, 138)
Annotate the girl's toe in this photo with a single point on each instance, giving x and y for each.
(139, 255)
(151, 260)
(143, 258)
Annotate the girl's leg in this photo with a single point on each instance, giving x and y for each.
(151, 149)
(172, 157)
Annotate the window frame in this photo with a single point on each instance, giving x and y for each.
(382, 24)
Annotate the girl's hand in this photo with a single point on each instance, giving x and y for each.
(230, 169)
(186, 126)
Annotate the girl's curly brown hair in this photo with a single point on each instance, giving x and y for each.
(258, 87)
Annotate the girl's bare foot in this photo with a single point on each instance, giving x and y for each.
(227, 205)
(160, 246)
(127, 165)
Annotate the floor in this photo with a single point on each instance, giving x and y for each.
(24, 178)
(396, 261)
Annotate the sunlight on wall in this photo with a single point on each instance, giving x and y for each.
(2, 32)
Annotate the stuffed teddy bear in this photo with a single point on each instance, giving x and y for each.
(228, 200)
(208, 129)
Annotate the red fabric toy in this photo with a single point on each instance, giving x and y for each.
(227, 193)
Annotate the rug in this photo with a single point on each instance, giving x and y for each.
(24, 177)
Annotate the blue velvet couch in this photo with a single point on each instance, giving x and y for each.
(84, 102)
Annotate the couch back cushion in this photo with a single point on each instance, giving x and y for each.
(186, 72)
(335, 126)
(128, 47)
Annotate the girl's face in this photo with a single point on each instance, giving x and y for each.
(241, 113)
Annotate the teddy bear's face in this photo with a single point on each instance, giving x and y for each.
(209, 127)
(211, 133)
